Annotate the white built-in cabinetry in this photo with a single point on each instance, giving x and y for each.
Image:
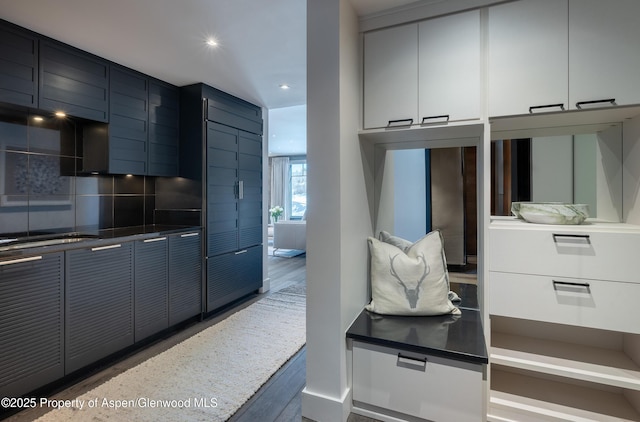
(550, 55)
(603, 51)
(564, 321)
(527, 57)
(391, 76)
(422, 73)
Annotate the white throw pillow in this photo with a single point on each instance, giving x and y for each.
(414, 282)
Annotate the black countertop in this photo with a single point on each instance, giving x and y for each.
(89, 239)
(458, 337)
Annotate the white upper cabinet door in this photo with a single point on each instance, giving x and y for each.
(391, 77)
(449, 66)
(604, 52)
(528, 50)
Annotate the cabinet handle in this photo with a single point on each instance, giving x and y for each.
(569, 283)
(397, 123)
(102, 248)
(19, 260)
(189, 234)
(241, 252)
(413, 363)
(157, 239)
(442, 116)
(579, 104)
(241, 189)
(573, 236)
(561, 105)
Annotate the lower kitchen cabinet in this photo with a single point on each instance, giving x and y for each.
(232, 276)
(31, 322)
(151, 287)
(99, 313)
(185, 276)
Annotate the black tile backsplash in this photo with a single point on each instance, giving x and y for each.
(41, 189)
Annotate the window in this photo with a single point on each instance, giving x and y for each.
(298, 188)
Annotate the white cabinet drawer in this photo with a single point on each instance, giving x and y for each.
(575, 252)
(418, 385)
(599, 304)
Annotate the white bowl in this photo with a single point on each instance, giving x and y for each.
(553, 213)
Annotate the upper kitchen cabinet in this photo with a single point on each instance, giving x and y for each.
(603, 52)
(449, 68)
(233, 112)
(73, 81)
(527, 60)
(128, 122)
(164, 117)
(391, 77)
(18, 66)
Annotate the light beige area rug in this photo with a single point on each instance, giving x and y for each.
(209, 376)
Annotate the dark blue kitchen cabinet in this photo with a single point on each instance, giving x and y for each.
(31, 322)
(233, 275)
(185, 276)
(229, 130)
(164, 117)
(128, 121)
(18, 66)
(151, 283)
(73, 81)
(231, 111)
(99, 295)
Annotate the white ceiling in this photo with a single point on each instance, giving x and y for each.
(262, 43)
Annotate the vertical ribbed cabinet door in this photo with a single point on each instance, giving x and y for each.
(99, 303)
(151, 287)
(128, 121)
(164, 103)
(250, 269)
(222, 185)
(250, 200)
(31, 323)
(73, 81)
(18, 67)
(185, 276)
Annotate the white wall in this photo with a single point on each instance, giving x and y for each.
(339, 216)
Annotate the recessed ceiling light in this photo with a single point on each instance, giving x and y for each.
(284, 86)
(38, 118)
(60, 114)
(211, 42)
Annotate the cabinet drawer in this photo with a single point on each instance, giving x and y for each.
(600, 304)
(418, 385)
(572, 252)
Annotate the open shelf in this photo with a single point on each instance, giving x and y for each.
(593, 364)
(524, 397)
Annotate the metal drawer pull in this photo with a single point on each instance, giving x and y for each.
(442, 116)
(241, 189)
(570, 286)
(561, 105)
(157, 239)
(189, 234)
(397, 123)
(241, 252)
(19, 260)
(102, 248)
(410, 362)
(579, 104)
(573, 236)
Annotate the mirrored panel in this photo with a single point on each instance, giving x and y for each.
(579, 167)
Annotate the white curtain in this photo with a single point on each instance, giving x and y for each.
(280, 185)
